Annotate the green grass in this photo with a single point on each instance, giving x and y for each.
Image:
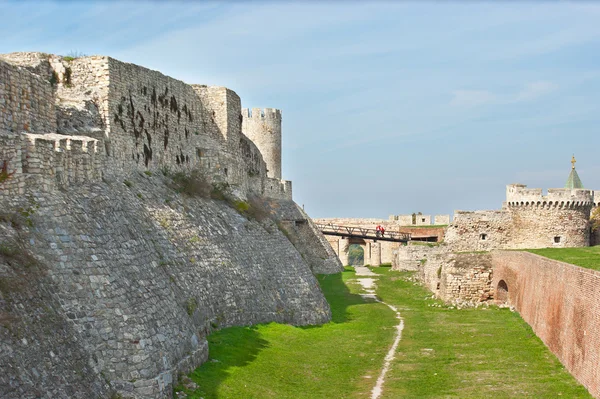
(283, 361)
(588, 257)
(467, 353)
(444, 352)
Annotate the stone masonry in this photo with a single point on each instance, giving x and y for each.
(110, 277)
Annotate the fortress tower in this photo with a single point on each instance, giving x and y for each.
(263, 127)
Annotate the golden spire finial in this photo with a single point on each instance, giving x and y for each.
(573, 161)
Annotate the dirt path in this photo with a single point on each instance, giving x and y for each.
(367, 280)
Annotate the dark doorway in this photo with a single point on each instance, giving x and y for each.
(502, 292)
(356, 255)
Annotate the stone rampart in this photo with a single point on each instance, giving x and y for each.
(478, 230)
(140, 284)
(412, 256)
(144, 120)
(460, 278)
(134, 275)
(561, 302)
(305, 236)
(47, 161)
(26, 100)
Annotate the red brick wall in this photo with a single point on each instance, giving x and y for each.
(561, 302)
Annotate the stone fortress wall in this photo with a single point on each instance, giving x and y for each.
(527, 220)
(131, 278)
(551, 296)
(143, 120)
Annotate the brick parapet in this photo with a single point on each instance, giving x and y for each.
(561, 302)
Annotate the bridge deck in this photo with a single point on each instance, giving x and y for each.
(361, 232)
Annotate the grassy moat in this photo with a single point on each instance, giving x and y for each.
(444, 352)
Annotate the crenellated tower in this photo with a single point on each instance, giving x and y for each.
(263, 127)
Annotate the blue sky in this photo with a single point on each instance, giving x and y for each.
(389, 107)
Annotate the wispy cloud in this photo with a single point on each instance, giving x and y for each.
(530, 91)
(471, 98)
(535, 90)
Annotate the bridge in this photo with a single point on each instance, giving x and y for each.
(361, 232)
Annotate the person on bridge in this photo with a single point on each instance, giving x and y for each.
(382, 230)
(378, 230)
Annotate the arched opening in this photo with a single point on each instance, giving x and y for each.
(356, 255)
(502, 292)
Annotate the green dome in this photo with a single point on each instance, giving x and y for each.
(573, 181)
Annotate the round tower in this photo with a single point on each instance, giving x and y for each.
(263, 127)
(559, 219)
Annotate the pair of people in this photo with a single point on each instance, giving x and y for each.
(379, 230)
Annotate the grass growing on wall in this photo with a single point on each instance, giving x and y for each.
(588, 257)
(444, 352)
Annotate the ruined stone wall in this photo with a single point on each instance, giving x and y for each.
(133, 275)
(263, 127)
(460, 278)
(139, 276)
(156, 121)
(144, 120)
(412, 256)
(26, 101)
(561, 302)
(478, 230)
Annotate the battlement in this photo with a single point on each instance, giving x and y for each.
(518, 195)
(142, 119)
(43, 161)
(276, 188)
(262, 113)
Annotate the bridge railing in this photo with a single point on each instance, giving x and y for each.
(353, 231)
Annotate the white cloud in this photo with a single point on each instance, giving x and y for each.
(471, 98)
(534, 90)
